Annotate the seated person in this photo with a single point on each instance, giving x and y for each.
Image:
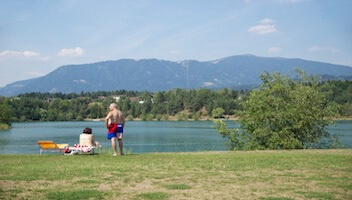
(87, 138)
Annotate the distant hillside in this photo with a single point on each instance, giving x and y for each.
(159, 75)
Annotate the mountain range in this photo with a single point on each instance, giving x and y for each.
(159, 75)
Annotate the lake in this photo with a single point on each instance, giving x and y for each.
(139, 136)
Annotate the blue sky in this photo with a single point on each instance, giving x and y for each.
(38, 36)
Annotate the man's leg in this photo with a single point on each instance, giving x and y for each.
(121, 146)
(119, 135)
(113, 145)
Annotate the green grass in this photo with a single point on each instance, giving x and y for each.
(78, 194)
(154, 195)
(305, 174)
(178, 187)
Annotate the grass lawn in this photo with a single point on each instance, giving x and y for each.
(303, 174)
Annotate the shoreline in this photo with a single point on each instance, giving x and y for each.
(173, 118)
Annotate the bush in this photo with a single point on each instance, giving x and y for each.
(196, 116)
(165, 117)
(217, 112)
(143, 117)
(150, 117)
(129, 118)
(159, 117)
(282, 114)
(181, 116)
(4, 126)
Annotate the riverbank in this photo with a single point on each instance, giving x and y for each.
(202, 118)
(299, 174)
(4, 126)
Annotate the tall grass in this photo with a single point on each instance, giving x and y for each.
(306, 174)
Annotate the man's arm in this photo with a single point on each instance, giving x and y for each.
(123, 120)
(107, 119)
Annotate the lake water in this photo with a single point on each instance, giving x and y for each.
(139, 137)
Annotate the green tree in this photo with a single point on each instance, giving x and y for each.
(124, 105)
(135, 109)
(174, 104)
(43, 114)
(346, 110)
(52, 115)
(61, 116)
(195, 104)
(158, 106)
(196, 115)
(282, 114)
(218, 112)
(69, 116)
(95, 111)
(6, 112)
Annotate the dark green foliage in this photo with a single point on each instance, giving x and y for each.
(5, 111)
(341, 93)
(283, 114)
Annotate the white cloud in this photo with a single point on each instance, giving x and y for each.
(317, 48)
(274, 50)
(266, 26)
(263, 29)
(14, 54)
(9, 53)
(76, 52)
(207, 84)
(267, 21)
(30, 54)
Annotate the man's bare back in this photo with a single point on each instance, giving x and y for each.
(115, 116)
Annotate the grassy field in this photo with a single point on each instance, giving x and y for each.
(305, 174)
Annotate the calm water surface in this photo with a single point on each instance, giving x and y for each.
(139, 137)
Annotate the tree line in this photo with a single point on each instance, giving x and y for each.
(182, 104)
(179, 104)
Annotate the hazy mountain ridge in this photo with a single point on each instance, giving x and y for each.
(159, 75)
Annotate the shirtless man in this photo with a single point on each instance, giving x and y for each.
(114, 122)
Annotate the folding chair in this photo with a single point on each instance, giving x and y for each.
(51, 146)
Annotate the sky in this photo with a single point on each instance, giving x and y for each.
(38, 36)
